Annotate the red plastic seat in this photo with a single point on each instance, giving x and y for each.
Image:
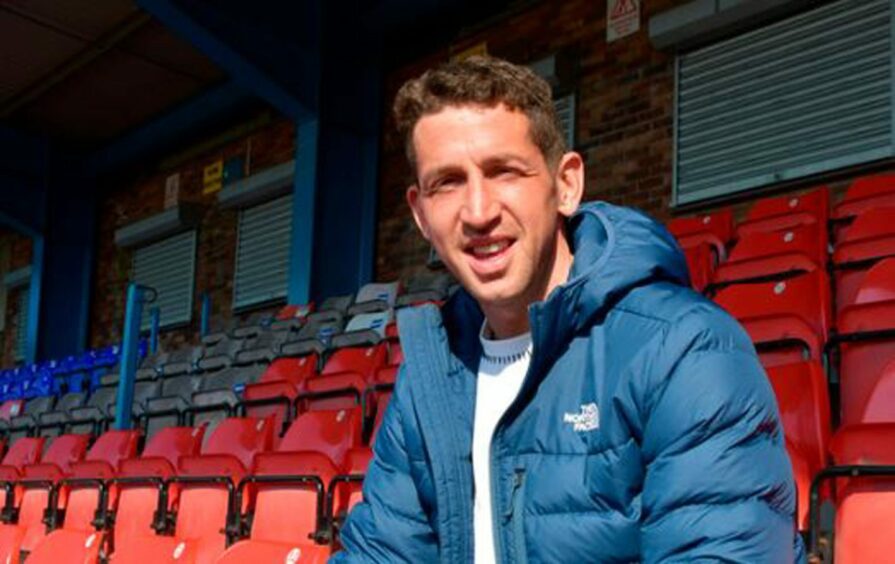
(78, 540)
(37, 480)
(865, 507)
(205, 485)
(363, 360)
(786, 212)
(867, 352)
(286, 516)
(23, 452)
(11, 408)
(801, 392)
(700, 263)
(340, 390)
(331, 432)
(869, 239)
(714, 229)
(866, 193)
(135, 498)
(273, 394)
(766, 254)
(785, 319)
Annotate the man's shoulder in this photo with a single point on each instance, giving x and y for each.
(684, 313)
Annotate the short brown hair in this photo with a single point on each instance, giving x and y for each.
(481, 81)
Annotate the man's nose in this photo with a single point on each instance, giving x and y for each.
(481, 207)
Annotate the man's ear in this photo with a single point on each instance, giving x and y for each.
(569, 182)
(413, 199)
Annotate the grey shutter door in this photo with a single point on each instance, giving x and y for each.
(168, 266)
(804, 95)
(565, 112)
(22, 325)
(262, 252)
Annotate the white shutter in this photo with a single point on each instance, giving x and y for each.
(802, 96)
(168, 267)
(262, 253)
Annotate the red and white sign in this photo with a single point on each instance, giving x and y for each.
(622, 18)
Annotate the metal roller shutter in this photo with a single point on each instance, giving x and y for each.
(565, 113)
(805, 95)
(262, 253)
(168, 266)
(21, 343)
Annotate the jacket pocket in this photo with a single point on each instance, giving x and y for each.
(517, 517)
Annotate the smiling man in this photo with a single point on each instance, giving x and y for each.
(576, 401)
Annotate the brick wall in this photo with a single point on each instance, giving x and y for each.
(144, 196)
(16, 254)
(624, 114)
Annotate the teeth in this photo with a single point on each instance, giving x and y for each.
(488, 249)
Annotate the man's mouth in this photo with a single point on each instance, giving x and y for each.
(489, 257)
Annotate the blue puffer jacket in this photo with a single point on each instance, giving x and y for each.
(645, 429)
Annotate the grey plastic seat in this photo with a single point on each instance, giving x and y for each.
(262, 348)
(25, 423)
(219, 394)
(181, 361)
(425, 288)
(335, 307)
(166, 409)
(252, 325)
(95, 411)
(364, 330)
(375, 297)
(149, 367)
(220, 355)
(53, 423)
(314, 337)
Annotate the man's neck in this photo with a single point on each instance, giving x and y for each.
(509, 320)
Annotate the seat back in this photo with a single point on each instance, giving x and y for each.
(362, 360)
(869, 239)
(24, 451)
(784, 212)
(866, 193)
(700, 264)
(714, 229)
(773, 254)
(286, 513)
(865, 368)
(795, 310)
(331, 432)
(866, 505)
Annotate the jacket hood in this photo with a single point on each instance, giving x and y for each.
(615, 250)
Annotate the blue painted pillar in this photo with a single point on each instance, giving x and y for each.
(304, 197)
(130, 344)
(35, 291)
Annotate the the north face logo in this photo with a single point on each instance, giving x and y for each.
(588, 419)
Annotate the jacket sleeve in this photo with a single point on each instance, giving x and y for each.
(718, 483)
(390, 524)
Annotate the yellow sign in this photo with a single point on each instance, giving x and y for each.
(213, 177)
(477, 49)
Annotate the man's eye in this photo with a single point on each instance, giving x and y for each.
(445, 183)
(506, 172)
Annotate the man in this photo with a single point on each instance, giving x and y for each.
(575, 402)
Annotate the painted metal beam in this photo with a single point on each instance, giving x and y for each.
(248, 74)
(35, 294)
(161, 132)
(304, 196)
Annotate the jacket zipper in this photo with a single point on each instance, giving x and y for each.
(515, 514)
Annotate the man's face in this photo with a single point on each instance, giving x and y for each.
(488, 202)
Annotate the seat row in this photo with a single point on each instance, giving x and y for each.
(194, 495)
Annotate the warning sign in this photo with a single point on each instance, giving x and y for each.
(622, 18)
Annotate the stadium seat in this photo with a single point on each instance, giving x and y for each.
(21, 453)
(332, 432)
(53, 423)
(364, 329)
(373, 297)
(23, 526)
(700, 263)
(79, 539)
(424, 288)
(864, 194)
(25, 423)
(865, 504)
(138, 497)
(785, 212)
(219, 354)
(219, 394)
(801, 392)
(206, 485)
(282, 381)
(344, 378)
(788, 320)
(167, 410)
(714, 229)
(869, 239)
(867, 349)
(766, 255)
